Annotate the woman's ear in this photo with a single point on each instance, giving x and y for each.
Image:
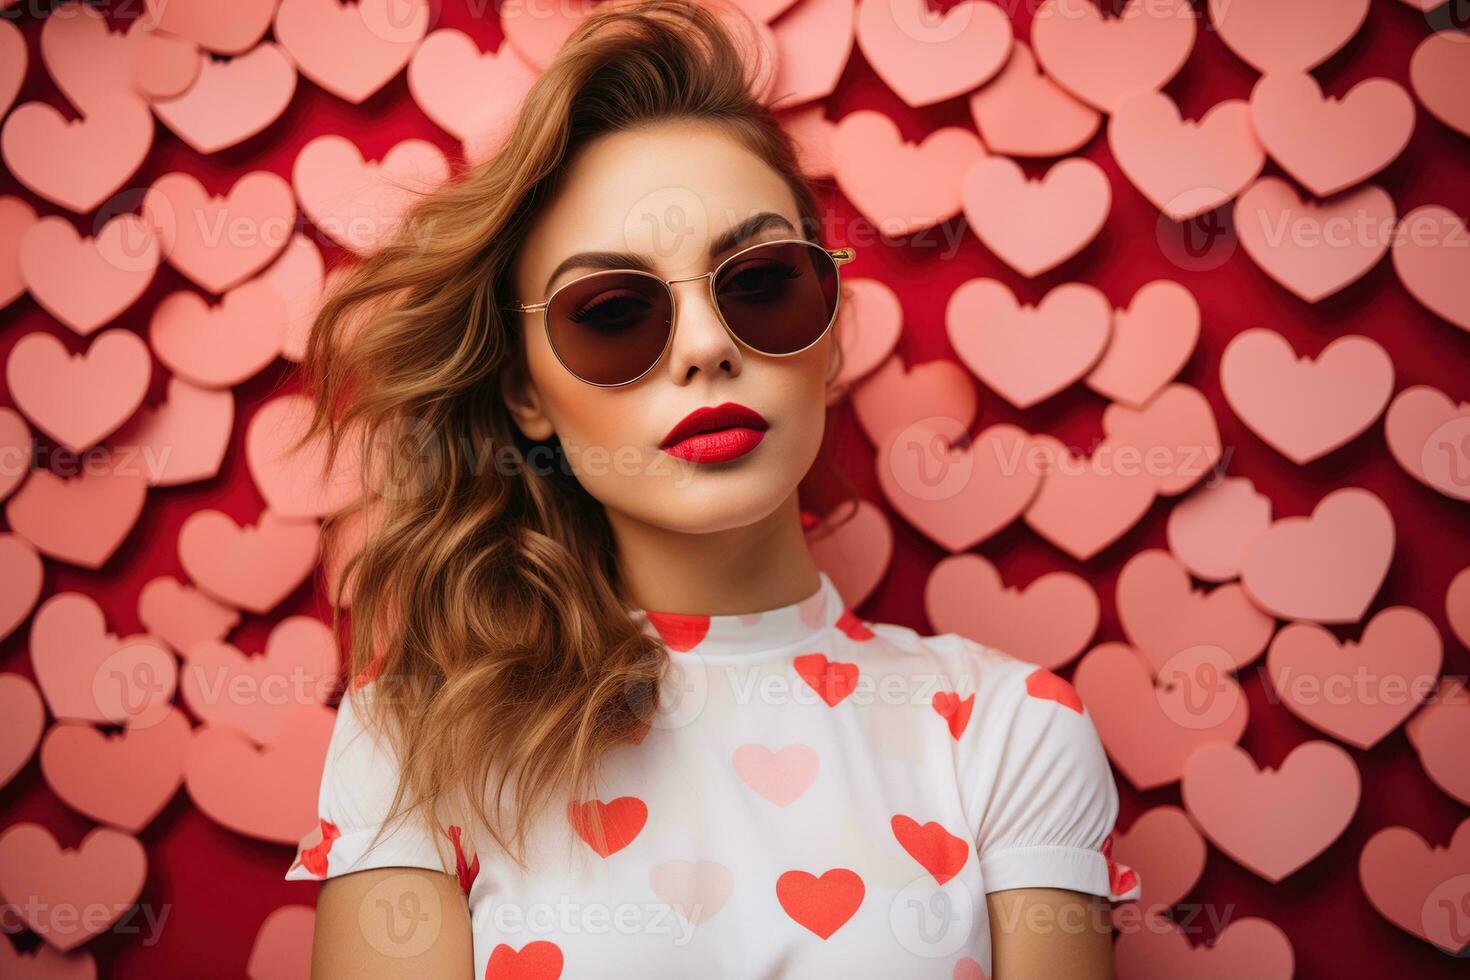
(523, 402)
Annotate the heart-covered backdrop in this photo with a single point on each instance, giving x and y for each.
(1176, 299)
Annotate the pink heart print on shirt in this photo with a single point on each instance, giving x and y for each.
(697, 890)
(780, 775)
(822, 905)
(608, 827)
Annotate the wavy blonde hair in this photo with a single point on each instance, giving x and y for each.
(486, 607)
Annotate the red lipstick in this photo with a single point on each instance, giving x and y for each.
(716, 435)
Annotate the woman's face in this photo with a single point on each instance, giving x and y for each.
(668, 194)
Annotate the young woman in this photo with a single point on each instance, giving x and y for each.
(608, 719)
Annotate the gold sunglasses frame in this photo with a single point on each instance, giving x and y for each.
(839, 257)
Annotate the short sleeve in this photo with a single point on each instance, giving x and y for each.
(359, 779)
(1044, 793)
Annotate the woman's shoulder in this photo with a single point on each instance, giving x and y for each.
(968, 666)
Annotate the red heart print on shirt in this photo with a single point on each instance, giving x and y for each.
(608, 827)
(941, 853)
(823, 904)
(313, 855)
(852, 627)
(1049, 687)
(1121, 878)
(954, 710)
(539, 960)
(832, 680)
(466, 871)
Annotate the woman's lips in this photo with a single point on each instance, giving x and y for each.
(719, 446)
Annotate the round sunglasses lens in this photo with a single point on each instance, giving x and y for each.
(610, 327)
(780, 297)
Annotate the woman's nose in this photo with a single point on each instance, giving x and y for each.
(701, 342)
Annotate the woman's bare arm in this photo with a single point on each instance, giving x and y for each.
(392, 922)
(1049, 932)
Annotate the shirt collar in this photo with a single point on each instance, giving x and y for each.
(792, 625)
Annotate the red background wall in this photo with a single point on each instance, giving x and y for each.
(217, 887)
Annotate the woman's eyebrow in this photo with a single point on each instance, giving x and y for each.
(629, 260)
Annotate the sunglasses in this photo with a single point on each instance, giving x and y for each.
(777, 298)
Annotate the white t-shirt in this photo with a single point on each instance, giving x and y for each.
(817, 796)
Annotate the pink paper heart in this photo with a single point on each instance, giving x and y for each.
(1103, 60)
(78, 399)
(1287, 35)
(360, 204)
(465, 91)
(182, 616)
(1304, 408)
(1036, 225)
(79, 163)
(1027, 354)
(1163, 615)
(1048, 623)
(1389, 671)
(252, 567)
(89, 674)
(927, 57)
(282, 948)
(1327, 567)
(81, 520)
(219, 346)
(1328, 144)
(1208, 531)
(219, 242)
(697, 890)
(231, 100)
(982, 483)
(1439, 73)
(781, 775)
(25, 717)
(1173, 438)
(1022, 113)
(104, 873)
(1272, 821)
(1419, 888)
(855, 551)
(231, 29)
(351, 50)
(1185, 168)
(1150, 343)
(47, 963)
(267, 793)
(298, 277)
(88, 61)
(15, 451)
(14, 59)
(183, 439)
(16, 218)
(21, 578)
(255, 694)
(124, 779)
(1431, 254)
(1429, 436)
(294, 481)
(813, 133)
(813, 44)
(868, 151)
(1166, 851)
(869, 322)
(1438, 733)
(538, 31)
(1246, 947)
(1313, 249)
(1151, 725)
(894, 397)
(1457, 606)
(1085, 505)
(116, 267)
(161, 65)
